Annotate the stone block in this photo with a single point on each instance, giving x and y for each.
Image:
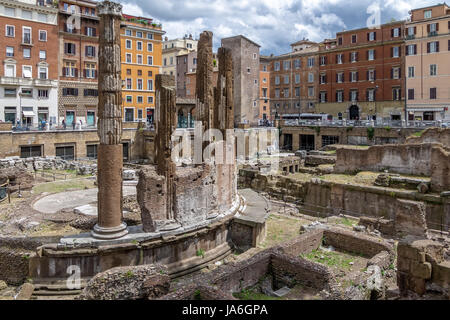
(382, 259)
(421, 270)
(25, 292)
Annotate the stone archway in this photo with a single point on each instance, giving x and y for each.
(353, 112)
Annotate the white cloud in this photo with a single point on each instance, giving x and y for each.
(274, 24)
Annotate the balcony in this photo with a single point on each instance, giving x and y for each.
(26, 41)
(410, 37)
(10, 81)
(432, 33)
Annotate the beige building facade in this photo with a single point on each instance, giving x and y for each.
(172, 49)
(428, 63)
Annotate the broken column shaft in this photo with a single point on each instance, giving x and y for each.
(110, 155)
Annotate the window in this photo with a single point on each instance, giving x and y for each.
(433, 70)
(91, 71)
(323, 96)
(70, 70)
(27, 92)
(139, 34)
(139, 45)
(89, 51)
(395, 52)
(255, 56)
(339, 58)
(371, 75)
(149, 47)
(354, 76)
(66, 152)
(171, 61)
(30, 151)
(311, 62)
(310, 77)
(354, 95)
(42, 54)
(91, 151)
(69, 48)
(90, 92)
(327, 140)
(297, 91)
(340, 41)
(395, 73)
(277, 93)
(140, 99)
(433, 94)
(128, 44)
(42, 35)
(70, 92)
(297, 78)
(297, 63)
(427, 14)
(10, 92)
(139, 72)
(129, 114)
(396, 94)
(140, 113)
(371, 55)
(411, 71)
(128, 57)
(433, 47)
(310, 91)
(354, 56)
(395, 32)
(150, 84)
(10, 70)
(10, 51)
(432, 28)
(277, 66)
(150, 73)
(129, 84)
(128, 32)
(286, 92)
(372, 36)
(27, 53)
(286, 79)
(139, 59)
(129, 99)
(340, 77)
(287, 65)
(277, 80)
(323, 78)
(27, 72)
(248, 70)
(411, 50)
(371, 95)
(150, 99)
(139, 84)
(10, 114)
(411, 31)
(353, 38)
(43, 94)
(410, 94)
(10, 31)
(150, 36)
(43, 73)
(150, 60)
(323, 60)
(26, 35)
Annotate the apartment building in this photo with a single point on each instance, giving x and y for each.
(29, 52)
(172, 49)
(186, 64)
(293, 79)
(78, 61)
(264, 88)
(428, 63)
(361, 74)
(245, 54)
(141, 45)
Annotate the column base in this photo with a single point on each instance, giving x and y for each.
(109, 233)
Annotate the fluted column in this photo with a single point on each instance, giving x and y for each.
(110, 223)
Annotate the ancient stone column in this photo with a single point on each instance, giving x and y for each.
(110, 223)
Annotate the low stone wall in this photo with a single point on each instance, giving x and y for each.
(305, 243)
(413, 159)
(48, 163)
(421, 266)
(440, 169)
(431, 135)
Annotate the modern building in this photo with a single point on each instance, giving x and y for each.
(264, 88)
(141, 42)
(294, 81)
(78, 61)
(360, 74)
(245, 55)
(172, 49)
(428, 63)
(186, 64)
(29, 52)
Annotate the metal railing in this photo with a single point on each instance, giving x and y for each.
(369, 123)
(47, 127)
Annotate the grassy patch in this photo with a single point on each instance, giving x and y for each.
(418, 133)
(329, 258)
(62, 186)
(252, 294)
(347, 222)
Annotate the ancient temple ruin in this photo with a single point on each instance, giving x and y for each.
(173, 195)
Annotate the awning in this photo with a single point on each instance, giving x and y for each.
(426, 109)
(28, 114)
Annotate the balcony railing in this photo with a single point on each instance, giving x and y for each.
(369, 123)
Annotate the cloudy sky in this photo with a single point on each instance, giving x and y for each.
(274, 24)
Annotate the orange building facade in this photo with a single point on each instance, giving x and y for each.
(264, 88)
(141, 42)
